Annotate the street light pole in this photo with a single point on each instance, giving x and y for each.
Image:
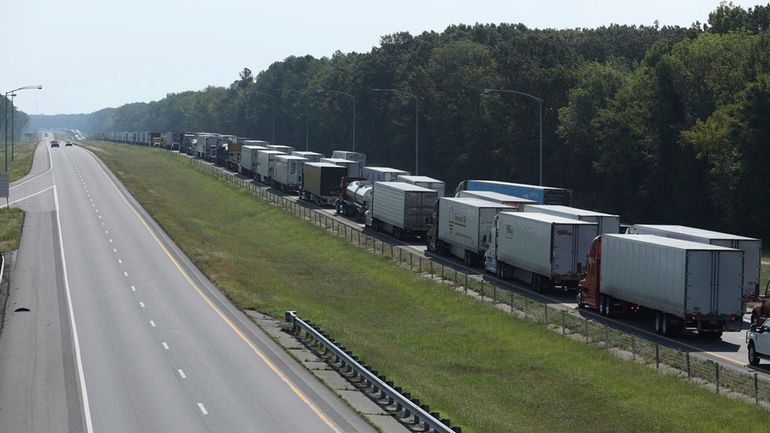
(540, 118)
(13, 93)
(416, 124)
(352, 98)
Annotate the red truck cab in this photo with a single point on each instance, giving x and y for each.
(588, 288)
(761, 311)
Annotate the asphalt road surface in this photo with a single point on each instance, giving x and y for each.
(123, 334)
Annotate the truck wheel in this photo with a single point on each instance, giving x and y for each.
(608, 311)
(664, 326)
(579, 300)
(658, 324)
(753, 358)
(602, 305)
(537, 283)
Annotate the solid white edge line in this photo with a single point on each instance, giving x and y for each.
(203, 409)
(78, 356)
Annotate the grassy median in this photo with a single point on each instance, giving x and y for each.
(486, 370)
(11, 221)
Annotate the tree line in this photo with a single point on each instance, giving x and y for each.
(658, 124)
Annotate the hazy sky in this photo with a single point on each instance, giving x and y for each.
(92, 54)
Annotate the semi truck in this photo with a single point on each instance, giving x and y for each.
(751, 247)
(682, 284)
(355, 197)
(515, 202)
(321, 182)
(543, 250)
(233, 161)
(310, 156)
(350, 156)
(266, 165)
(400, 208)
(353, 167)
(382, 174)
(540, 194)
(248, 163)
(280, 147)
(606, 223)
(288, 172)
(462, 227)
(424, 181)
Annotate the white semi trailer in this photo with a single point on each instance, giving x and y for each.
(751, 247)
(606, 223)
(540, 249)
(682, 284)
(400, 208)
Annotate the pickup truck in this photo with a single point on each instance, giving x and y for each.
(758, 340)
(761, 311)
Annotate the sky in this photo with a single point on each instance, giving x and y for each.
(93, 54)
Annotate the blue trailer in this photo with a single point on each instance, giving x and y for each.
(539, 194)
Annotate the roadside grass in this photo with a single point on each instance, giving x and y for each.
(486, 370)
(11, 221)
(23, 154)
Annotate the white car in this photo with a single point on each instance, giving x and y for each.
(758, 340)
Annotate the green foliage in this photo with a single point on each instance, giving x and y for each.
(641, 121)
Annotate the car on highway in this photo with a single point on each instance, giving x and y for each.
(758, 341)
(54, 143)
(67, 143)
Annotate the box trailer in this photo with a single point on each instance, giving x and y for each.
(424, 181)
(515, 202)
(751, 247)
(266, 164)
(606, 223)
(288, 172)
(400, 208)
(463, 227)
(353, 167)
(281, 148)
(540, 194)
(540, 249)
(683, 284)
(310, 156)
(350, 156)
(382, 174)
(321, 182)
(248, 163)
(233, 161)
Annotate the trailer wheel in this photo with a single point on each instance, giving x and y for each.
(602, 305)
(537, 283)
(664, 326)
(658, 324)
(608, 311)
(579, 300)
(753, 357)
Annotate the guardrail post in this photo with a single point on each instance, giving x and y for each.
(633, 347)
(526, 307)
(657, 355)
(511, 301)
(546, 313)
(586, 329)
(689, 372)
(563, 322)
(431, 269)
(756, 388)
(716, 366)
(494, 294)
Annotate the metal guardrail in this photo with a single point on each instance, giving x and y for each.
(404, 407)
(2, 266)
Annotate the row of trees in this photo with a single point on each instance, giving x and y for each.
(665, 125)
(20, 119)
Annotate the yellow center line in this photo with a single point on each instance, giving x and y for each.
(219, 312)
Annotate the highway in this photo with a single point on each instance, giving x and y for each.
(124, 334)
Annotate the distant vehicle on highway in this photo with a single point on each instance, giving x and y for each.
(54, 143)
(68, 143)
(758, 340)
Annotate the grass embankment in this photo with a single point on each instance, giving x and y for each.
(23, 154)
(486, 370)
(10, 228)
